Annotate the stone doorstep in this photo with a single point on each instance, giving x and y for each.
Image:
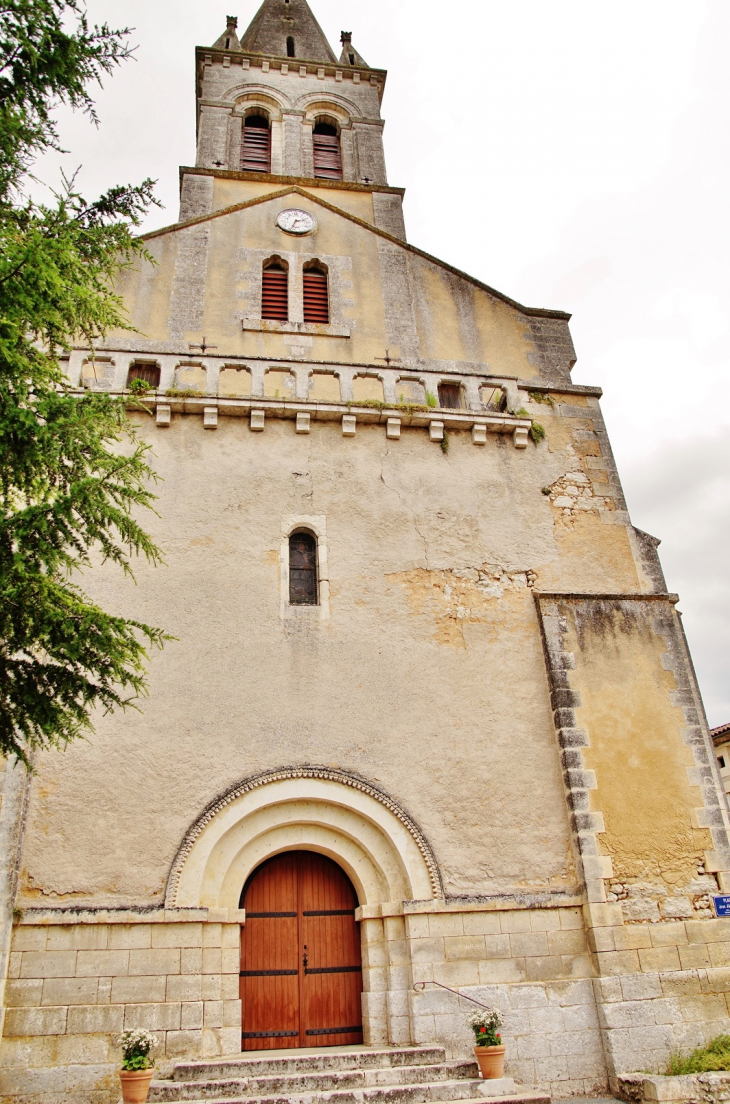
(316, 1082)
(315, 1061)
(707, 1087)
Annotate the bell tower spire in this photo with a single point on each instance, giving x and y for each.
(287, 28)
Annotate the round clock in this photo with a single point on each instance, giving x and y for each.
(294, 221)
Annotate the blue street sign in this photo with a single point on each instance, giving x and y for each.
(722, 905)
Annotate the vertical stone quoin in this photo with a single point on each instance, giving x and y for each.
(648, 925)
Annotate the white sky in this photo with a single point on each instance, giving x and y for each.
(573, 154)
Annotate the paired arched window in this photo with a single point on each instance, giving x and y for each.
(256, 144)
(275, 291)
(327, 152)
(316, 295)
(303, 585)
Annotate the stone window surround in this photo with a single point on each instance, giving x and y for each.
(316, 525)
(296, 263)
(260, 100)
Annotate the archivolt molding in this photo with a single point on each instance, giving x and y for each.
(314, 103)
(431, 872)
(257, 93)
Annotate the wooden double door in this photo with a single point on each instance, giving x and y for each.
(301, 968)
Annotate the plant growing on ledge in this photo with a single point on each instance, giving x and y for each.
(537, 432)
(137, 1064)
(140, 387)
(539, 397)
(714, 1057)
(488, 1047)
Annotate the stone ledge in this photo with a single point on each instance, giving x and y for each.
(705, 1087)
(79, 915)
(531, 902)
(308, 329)
(331, 412)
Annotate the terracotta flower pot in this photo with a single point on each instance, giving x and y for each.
(491, 1061)
(135, 1085)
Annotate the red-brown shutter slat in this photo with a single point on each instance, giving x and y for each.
(275, 294)
(327, 156)
(256, 150)
(316, 298)
(150, 373)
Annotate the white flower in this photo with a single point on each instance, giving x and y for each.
(486, 1017)
(138, 1041)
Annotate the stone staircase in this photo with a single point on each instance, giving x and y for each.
(398, 1075)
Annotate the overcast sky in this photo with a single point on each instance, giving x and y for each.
(573, 154)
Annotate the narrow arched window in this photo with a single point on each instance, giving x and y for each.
(303, 589)
(275, 292)
(256, 144)
(316, 295)
(327, 152)
(290, 52)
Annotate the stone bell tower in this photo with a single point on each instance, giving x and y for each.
(283, 77)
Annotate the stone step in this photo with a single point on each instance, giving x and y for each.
(306, 1082)
(425, 1093)
(336, 1059)
(520, 1096)
(515, 1097)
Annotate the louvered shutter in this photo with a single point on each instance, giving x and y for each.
(316, 298)
(150, 373)
(327, 156)
(450, 396)
(256, 149)
(275, 294)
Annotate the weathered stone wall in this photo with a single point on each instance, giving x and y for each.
(462, 542)
(430, 318)
(663, 988)
(73, 987)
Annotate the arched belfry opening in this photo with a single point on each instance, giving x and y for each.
(256, 144)
(327, 151)
(301, 965)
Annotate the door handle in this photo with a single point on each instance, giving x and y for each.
(305, 960)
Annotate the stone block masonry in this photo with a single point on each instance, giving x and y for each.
(73, 987)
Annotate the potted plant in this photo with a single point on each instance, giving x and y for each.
(137, 1065)
(488, 1042)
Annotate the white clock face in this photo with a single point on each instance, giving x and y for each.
(296, 222)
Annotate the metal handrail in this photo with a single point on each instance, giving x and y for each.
(421, 985)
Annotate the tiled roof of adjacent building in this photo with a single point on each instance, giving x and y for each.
(720, 734)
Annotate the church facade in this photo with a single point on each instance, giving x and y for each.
(429, 725)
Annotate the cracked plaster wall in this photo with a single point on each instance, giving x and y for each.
(428, 677)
